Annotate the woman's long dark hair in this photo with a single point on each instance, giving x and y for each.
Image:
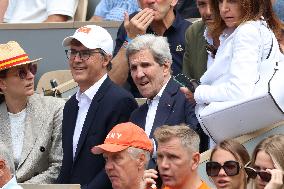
(250, 10)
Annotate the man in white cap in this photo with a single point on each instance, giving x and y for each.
(91, 113)
(126, 150)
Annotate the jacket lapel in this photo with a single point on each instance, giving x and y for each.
(5, 128)
(140, 115)
(92, 114)
(165, 105)
(33, 124)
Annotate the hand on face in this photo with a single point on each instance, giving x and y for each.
(139, 23)
(276, 181)
(149, 179)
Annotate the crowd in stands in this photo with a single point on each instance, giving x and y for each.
(100, 137)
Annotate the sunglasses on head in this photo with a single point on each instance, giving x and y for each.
(231, 168)
(23, 72)
(252, 173)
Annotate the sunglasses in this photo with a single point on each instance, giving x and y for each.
(23, 72)
(252, 173)
(231, 168)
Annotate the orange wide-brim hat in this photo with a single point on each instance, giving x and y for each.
(11, 55)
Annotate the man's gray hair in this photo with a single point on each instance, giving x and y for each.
(7, 157)
(188, 137)
(135, 152)
(157, 45)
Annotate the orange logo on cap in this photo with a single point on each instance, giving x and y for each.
(84, 30)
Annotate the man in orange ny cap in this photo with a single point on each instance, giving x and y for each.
(126, 150)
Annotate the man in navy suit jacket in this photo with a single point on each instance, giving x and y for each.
(92, 112)
(150, 66)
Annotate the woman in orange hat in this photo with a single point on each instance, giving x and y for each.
(30, 123)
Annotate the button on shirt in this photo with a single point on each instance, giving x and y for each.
(85, 100)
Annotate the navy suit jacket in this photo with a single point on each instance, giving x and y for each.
(111, 105)
(173, 109)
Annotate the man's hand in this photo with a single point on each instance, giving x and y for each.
(139, 23)
(276, 181)
(148, 181)
(188, 94)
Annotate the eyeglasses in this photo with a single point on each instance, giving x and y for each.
(84, 54)
(231, 168)
(252, 173)
(23, 72)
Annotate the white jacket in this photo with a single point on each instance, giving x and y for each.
(235, 69)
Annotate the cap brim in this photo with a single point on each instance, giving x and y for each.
(67, 41)
(108, 148)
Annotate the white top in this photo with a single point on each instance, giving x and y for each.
(37, 11)
(17, 122)
(235, 69)
(12, 184)
(85, 100)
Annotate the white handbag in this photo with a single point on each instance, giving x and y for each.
(223, 120)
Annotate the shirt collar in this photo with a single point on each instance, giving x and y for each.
(90, 92)
(11, 183)
(158, 96)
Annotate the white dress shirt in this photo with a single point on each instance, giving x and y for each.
(151, 114)
(85, 100)
(12, 184)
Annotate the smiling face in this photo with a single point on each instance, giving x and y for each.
(87, 72)
(263, 161)
(123, 170)
(205, 11)
(161, 7)
(15, 87)
(230, 11)
(222, 180)
(147, 74)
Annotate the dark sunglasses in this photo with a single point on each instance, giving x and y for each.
(252, 173)
(231, 168)
(23, 72)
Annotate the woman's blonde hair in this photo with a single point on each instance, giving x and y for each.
(273, 146)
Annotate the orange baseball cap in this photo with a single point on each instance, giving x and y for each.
(122, 136)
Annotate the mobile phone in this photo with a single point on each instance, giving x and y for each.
(185, 81)
(159, 181)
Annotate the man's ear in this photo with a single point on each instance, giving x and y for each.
(2, 167)
(195, 160)
(106, 59)
(167, 67)
(141, 161)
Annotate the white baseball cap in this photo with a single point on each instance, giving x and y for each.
(92, 37)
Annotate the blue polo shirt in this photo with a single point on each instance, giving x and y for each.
(176, 38)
